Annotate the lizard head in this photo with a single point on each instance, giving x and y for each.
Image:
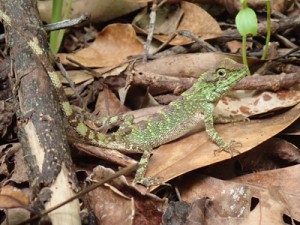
(225, 76)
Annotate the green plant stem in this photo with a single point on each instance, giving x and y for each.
(56, 16)
(268, 29)
(61, 33)
(244, 53)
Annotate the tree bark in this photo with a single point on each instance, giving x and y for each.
(40, 126)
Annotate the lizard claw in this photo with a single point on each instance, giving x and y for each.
(229, 148)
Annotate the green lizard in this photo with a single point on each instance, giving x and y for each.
(172, 122)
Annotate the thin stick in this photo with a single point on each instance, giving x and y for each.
(60, 25)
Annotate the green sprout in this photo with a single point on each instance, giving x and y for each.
(246, 22)
(56, 37)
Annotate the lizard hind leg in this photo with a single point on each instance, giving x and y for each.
(141, 171)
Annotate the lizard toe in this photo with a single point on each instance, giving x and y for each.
(229, 148)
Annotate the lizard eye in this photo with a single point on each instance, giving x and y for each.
(221, 72)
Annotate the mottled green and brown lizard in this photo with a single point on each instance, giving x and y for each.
(173, 121)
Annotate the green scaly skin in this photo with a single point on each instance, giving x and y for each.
(173, 121)
(178, 118)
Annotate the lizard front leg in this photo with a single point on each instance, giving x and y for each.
(230, 119)
(213, 134)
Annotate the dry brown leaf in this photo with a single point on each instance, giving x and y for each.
(267, 211)
(16, 216)
(119, 203)
(276, 5)
(229, 202)
(280, 186)
(199, 22)
(110, 208)
(20, 173)
(98, 10)
(294, 129)
(139, 1)
(112, 46)
(236, 46)
(250, 103)
(174, 159)
(286, 178)
(232, 6)
(270, 194)
(77, 76)
(11, 197)
(167, 1)
(190, 65)
(195, 20)
(167, 19)
(108, 104)
(272, 154)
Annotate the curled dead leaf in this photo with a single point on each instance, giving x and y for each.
(112, 46)
(195, 20)
(98, 10)
(11, 197)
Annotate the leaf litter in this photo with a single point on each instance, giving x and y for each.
(272, 189)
